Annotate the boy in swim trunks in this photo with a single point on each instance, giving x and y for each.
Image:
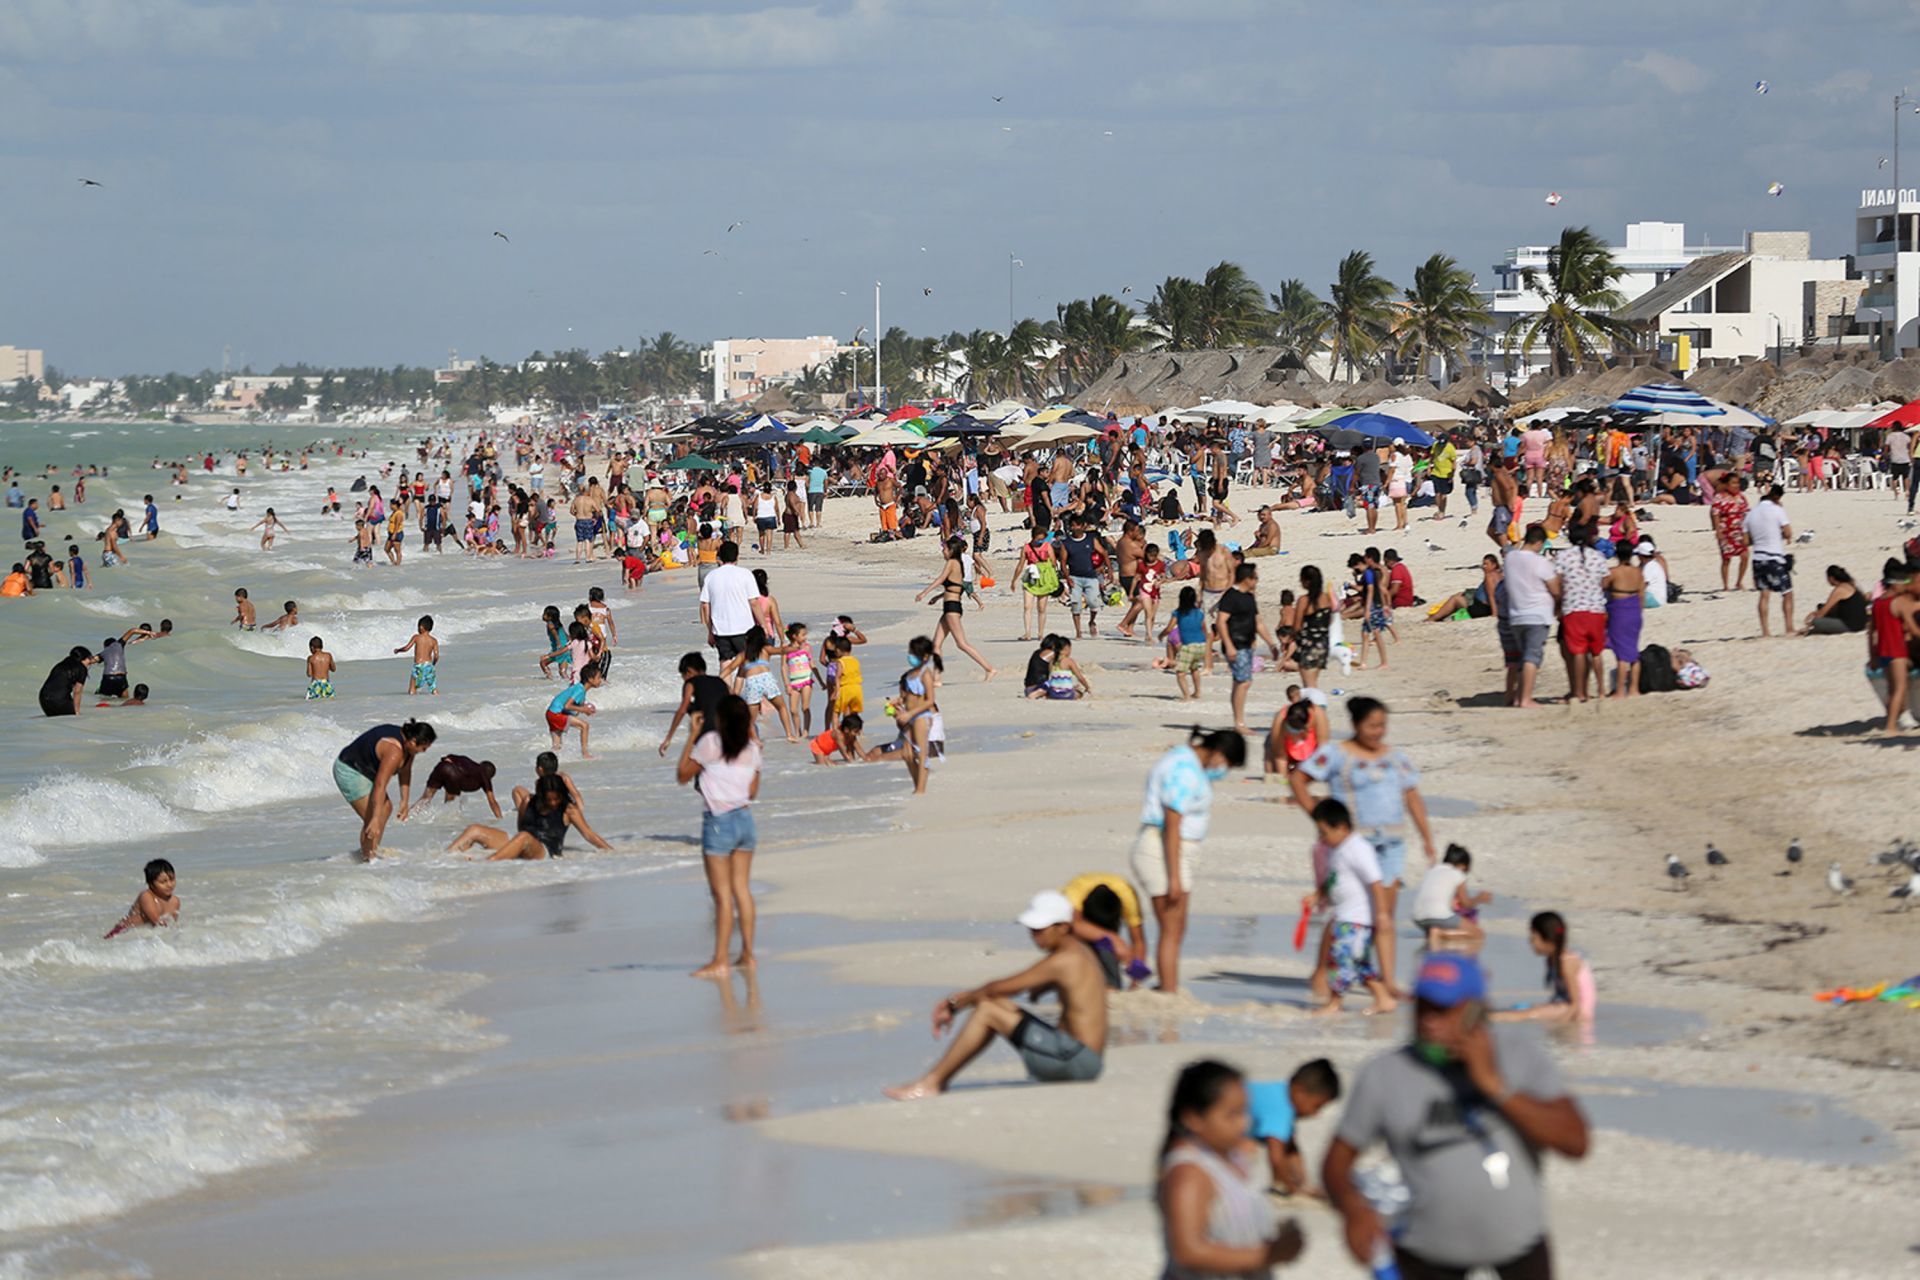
(157, 906)
(242, 609)
(1073, 1050)
(570, 709)
(290, 618)
(426, 653)
(320, 668)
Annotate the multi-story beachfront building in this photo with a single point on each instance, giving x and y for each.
(22, 362)
(1654, 253)
(745, 367)
(1771, 295)
(1880, 259)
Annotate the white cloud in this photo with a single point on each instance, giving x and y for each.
(1853, 82)
(1675, 74)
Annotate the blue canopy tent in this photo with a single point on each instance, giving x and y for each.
(1666, 397)
(963, 424)
(1381, 426)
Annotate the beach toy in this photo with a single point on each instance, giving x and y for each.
(986, 581)
(1300, 926)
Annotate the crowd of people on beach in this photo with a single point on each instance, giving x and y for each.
(1463, 1106)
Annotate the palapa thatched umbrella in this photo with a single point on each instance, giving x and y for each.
(1474, 394)
(1898, 380)
(1368, 393)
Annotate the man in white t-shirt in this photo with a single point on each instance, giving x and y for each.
(1769, 532)
(1358, 903)
(726, 602)
(1899, 453)
(1532, 587)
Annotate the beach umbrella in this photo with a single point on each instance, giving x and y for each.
(693, 462)
(904, 412)
(1419, 410)
(765, 422)
(821, 435)
(1906, 415)
(1729, 416)
(1666, 397)
(1081, 418)
(1340, 438)
(1380, 426)
(885, 435)
(1319, 419)
(751, 439)
(710, 425)
(964, 424)
(1057, 434)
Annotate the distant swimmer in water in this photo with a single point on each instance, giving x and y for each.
(157, 906)
(426, 653)
(320, 669)
(242, 609)
(543, 821)
(267, 524)
(66, 684)
(366, 765)
(290, 618)
(137, 699)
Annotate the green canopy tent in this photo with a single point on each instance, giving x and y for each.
(821, 435)
(693, 462)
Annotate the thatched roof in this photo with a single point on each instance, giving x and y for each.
(1617, 381)
(775, 399)
(1368, 394)
(1898, 380)
(1744, 385)
(1472, 394)
(1176, 379)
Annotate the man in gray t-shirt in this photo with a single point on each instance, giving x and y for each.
(1466, 1115)
(1366, 483)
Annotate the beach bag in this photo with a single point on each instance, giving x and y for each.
(1042, 578)
(1656, 670)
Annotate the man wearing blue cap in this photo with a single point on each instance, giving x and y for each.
(1466, 1114)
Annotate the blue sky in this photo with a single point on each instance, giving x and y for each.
(321, 180)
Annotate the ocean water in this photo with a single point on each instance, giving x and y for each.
(292, 990)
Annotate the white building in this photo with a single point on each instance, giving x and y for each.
(1879, 260)
(1742, 304)
(77, 395)
(744, 367)
(1654, 253)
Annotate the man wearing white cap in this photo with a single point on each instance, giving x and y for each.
(1073, 1050)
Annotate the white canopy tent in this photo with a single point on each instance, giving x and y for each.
(1419, 410)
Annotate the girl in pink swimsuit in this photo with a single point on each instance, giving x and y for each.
(1571, 995)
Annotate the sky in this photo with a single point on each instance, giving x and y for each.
(322, 180)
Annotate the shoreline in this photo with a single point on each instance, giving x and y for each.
(1540, 799)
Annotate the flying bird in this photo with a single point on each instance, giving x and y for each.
(1838, 881)
(1775, 188)
(503, 236)
(732, 225)
(1126, 288)
(1677, 871)
(89, 182)
(1761, 86)
(926, 293)
(998, 98)
(1107, 133)
(1553, 197)
(923, 248)
(1006, 128)
(1883, 162)
(709, 253)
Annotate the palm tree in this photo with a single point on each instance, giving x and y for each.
(1234, 308)
(1440, 312)
(668, 365)
(1359, 311)
(1092, 334)
(986, 355)
(1024, 362)
(1578, 288)
(1300, 319)
(1175, 313)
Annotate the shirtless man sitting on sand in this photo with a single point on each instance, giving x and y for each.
(1073, 1050)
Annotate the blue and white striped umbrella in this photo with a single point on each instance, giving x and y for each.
(1666, 397)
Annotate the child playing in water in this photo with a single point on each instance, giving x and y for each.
(843, 740)
(320, 667)
(426, 653)
(570, 708)
(242, 609)
(362, 542)
(138, 698)
(290, 618)
(755, 681)
(1060, 677)
(157, 906)
(544, 764)
(267, 524)
(849, 691)
(799, 677)
(1571, 995)
(558, 651)
(1445, 910)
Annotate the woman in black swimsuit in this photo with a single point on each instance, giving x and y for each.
(952, 585)
(543, 822)
(60, 695)
(1312, 624)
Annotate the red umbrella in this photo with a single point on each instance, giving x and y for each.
(1907, 415)
(904, 412)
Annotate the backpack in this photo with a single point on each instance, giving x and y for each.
(1656, 670)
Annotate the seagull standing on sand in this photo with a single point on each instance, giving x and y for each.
(1794, 853)
(1677, 871)
(1839, 881)
(1908, 891)
(1715, 858)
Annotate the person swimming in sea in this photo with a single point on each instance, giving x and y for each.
(542, 821)
(157, 906)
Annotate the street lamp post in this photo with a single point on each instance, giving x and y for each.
(1779, 340)
(1012, 262)
(1900, 100)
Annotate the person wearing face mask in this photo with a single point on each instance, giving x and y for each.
(1173, 822)
(1466, 1112)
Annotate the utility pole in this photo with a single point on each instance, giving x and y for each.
(879, 391)
(1012, 262)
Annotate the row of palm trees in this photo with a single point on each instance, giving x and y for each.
(1364, 324)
